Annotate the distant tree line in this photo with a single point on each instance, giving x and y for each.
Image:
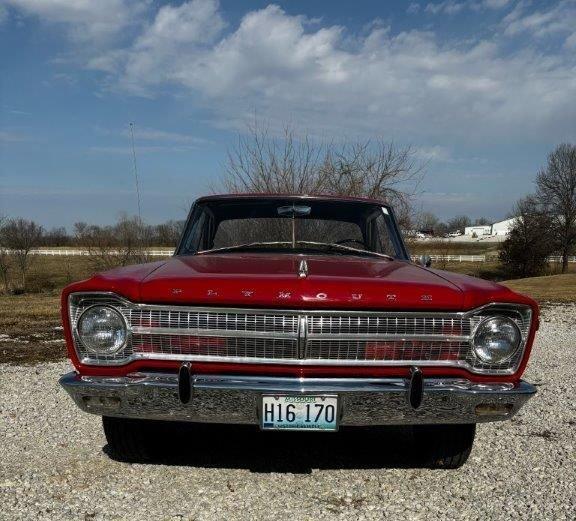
(428, 222)
(546, 223)
(125, 242)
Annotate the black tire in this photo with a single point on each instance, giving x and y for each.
(445, 446)
(129, 440)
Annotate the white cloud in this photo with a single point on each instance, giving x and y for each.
(3, 15)
(495, 4)
(452, 7)
(146, 149)
(13, 137)
(434, 153)
(447, 7)
(557, 19)
(91, 21)
(406, 85)
(175, 31)
(154, 134)
(570, 42)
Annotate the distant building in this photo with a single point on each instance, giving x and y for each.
(501, 228)
(504, 227)
(479, 231)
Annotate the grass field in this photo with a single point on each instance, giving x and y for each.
(30, 323)
(552, 288)
(440, 247)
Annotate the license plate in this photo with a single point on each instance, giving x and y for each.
(299, 412)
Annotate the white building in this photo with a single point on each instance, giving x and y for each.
(478, 231)
(503, 227)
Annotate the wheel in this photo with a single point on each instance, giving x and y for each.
(129, 440)
(445, 446)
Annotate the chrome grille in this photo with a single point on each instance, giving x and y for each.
(212, 320)
(298, 337)
(389, 324)
(215, 346)
(389, 350)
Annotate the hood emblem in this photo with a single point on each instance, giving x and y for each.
(303, 269)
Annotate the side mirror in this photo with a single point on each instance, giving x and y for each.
(425, 260)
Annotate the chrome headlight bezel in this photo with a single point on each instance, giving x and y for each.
(482, 350)
(99, 351)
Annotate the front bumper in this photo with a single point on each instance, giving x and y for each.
(236, 399)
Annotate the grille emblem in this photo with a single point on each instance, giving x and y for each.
(303, 269)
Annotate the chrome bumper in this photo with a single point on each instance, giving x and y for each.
(236, 399)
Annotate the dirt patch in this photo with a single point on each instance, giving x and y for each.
(31, 329)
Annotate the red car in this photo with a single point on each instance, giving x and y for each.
(296, 313)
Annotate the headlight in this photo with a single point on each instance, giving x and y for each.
(496, 339)
(102, 330)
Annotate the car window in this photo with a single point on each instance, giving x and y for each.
(244, 231)
(317, 225)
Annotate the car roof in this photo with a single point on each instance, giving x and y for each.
(296, 197)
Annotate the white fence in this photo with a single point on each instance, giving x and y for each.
(454, 258)
(74, 252)
(558, 258)
(169, 252)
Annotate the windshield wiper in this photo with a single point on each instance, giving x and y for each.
(328, 245)
(332, 245)
(244, 246)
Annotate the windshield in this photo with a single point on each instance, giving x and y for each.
(288, 225)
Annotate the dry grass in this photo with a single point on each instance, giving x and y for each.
(30, 326)
(30, 323)
(551, 288)
(440, 247)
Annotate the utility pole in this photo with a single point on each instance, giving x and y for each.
(136, 173)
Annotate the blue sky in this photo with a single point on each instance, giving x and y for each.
(481, 89)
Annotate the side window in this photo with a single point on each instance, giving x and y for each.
(196, 238)
(382, 240)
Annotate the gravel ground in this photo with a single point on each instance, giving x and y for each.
(54, 465)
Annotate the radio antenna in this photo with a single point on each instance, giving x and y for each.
(136, 173)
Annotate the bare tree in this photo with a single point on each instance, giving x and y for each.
(20, 236)
(112, 246)
(459, 223)
(292, 164)
(427, 222)
(56, 237)
(526, 250)
(168, 233)
(556, 190)
(4, 257)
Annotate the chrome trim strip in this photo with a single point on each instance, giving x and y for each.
(375, 337)
(211, 332)
(294, 361)
(302, 336)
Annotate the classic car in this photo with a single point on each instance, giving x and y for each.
(301, 313)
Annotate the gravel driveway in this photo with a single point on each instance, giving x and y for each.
(53, 463)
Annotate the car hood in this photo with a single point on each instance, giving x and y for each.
(270, 280)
